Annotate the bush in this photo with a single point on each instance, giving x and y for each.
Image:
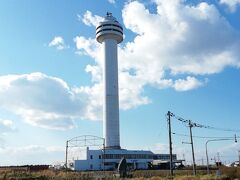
(231, 172)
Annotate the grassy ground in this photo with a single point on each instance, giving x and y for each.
(226, 174)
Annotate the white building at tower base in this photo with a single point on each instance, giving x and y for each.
(109, 159)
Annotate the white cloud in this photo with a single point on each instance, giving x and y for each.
(6, 126)
(188, 39)
(34, 149)
(58, 42)
(31, 154)
(112, 1)
(130, 93)
(232, 4)
(181, 84)
(227, 153)
(47, 101)
(162, 148)
(88, 47)
(180, 39)
(186, 84)
(89, 19)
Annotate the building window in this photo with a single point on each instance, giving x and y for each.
(91, 166)
(99, 157)
(91, 156)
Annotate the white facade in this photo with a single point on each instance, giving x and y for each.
(93, 161)
(110, 158)
(110, 33)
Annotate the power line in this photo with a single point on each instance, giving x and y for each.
(203, 137)
(191, 125)
(203, 126)
(224, 156)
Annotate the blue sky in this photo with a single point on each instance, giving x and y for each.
(181, 56)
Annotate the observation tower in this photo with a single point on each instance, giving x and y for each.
(109, 32)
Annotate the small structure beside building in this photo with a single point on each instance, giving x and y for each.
(162, 161)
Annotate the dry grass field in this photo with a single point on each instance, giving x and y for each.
(232, 173)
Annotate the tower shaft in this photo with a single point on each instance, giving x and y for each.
(109, 32)
(111, 102)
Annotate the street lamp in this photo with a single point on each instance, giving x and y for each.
(224, 139)
(239, 157)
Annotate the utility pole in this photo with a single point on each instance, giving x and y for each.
(66, 155)
(184, 159)
(193, 157)
(170, 142)
(239, 157)
(218, 156)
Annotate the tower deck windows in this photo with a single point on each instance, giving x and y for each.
(103, 25)
(108, 30)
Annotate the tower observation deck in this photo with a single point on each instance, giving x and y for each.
(109, 32)
(109, 28)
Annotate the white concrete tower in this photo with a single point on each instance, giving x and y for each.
(109, 32)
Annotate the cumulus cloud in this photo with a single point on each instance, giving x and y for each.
(189, 39)
(58, 42)
(47, 101)
(6, 126)
(232, 4)
(33, 149)
(130, 94)
(31, 154)
(162, 148)
(89, 19)
(231, 148)
(186, 84)
(88, 46)
(193, 41)
(179, 40)
(112, 1)
(227, 153)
